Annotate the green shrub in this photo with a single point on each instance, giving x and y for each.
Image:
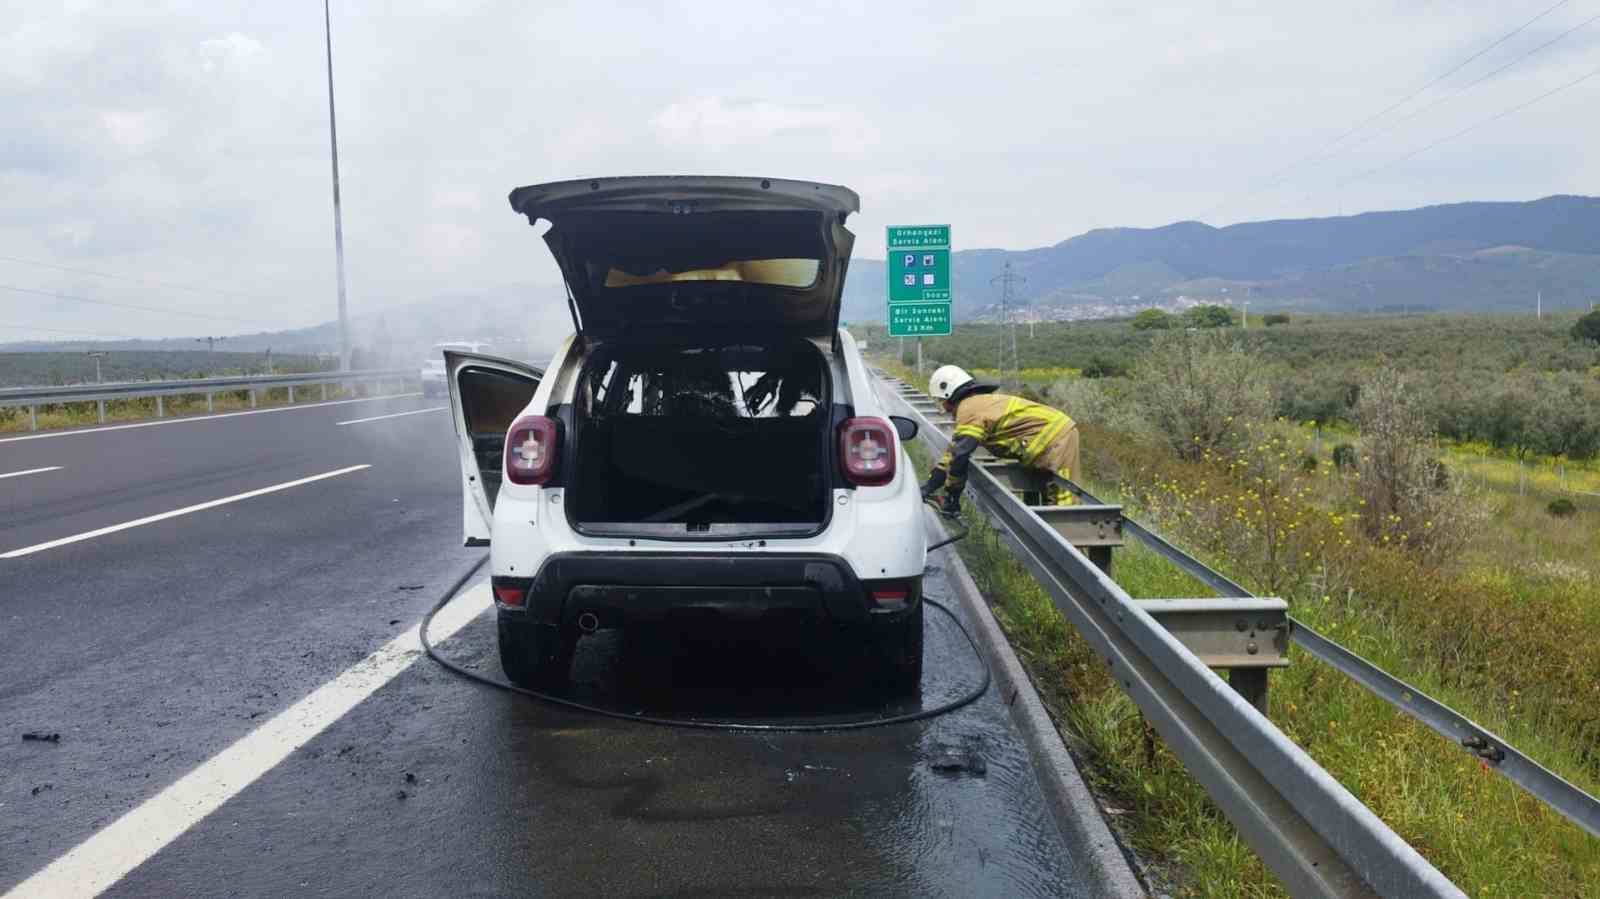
(1344, 456)
(1102, 367)
(1562, 508)
(1198, 393)
(1587, 327)
(1209, 315)
(1153, 320)
(1406, 500)
(1309, 463)
(1275, 318)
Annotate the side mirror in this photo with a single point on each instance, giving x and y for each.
(905, 427)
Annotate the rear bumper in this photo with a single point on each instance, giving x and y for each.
(630, 587)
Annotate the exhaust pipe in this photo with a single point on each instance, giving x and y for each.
(588, 623)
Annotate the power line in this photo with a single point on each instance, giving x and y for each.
(78, 299)
(1276, 176)
(1470, 128)
(1461, 90)
(148, 282)
(63, 331)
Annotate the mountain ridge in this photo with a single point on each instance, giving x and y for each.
(1341, 263)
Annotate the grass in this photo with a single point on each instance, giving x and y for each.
(1492, 641)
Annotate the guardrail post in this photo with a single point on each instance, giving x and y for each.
(252, 397)
(161, 407)
(324, 391)
(100, 407)
(1251, 683)
(33, 418)
(291, 394)
(209, 407)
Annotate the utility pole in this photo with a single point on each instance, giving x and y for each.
(338, 219)
(1006, 279)
(96, 357)
(1538, 307)
(1247, 315)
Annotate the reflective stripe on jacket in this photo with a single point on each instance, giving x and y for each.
(1007, 425)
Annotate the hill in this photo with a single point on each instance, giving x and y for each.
(1464, 256)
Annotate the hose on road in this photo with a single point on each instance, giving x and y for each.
(699, 724)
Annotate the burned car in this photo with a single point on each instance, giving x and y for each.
(706, 442)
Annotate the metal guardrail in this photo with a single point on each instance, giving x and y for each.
(34, 397)
(1311, 831)
(1476, 740)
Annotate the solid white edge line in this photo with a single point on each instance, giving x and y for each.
(198, 507)
(18, 474)
(356, 421)
(109, 854)
(208, 417)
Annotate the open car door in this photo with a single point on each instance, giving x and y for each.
(487, 394)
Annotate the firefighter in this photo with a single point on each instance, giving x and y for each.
(1033, 433)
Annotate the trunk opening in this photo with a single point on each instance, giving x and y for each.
(702, 442)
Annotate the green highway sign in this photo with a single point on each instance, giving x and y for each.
(919, 319)
(919, 280)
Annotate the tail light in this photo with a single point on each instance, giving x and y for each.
(866, 450)
(510, 591)
(533, 447)
(890, 596)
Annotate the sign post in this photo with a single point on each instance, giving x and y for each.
(919, 280)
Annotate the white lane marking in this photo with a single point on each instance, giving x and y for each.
(356, 421)
(198, 507)
(107, 856)
(18, 474)
(211, 417)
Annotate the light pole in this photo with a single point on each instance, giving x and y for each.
(96, 357)
(211, 345)
(338, 219)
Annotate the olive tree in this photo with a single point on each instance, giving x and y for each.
(1196, 391)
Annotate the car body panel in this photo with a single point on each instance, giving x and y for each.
(706, 229)
(876, 530)
(477, 503)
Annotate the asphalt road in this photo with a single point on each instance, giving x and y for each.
(186, 603)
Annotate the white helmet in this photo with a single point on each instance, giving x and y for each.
(946, 380)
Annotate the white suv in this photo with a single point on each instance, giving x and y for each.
(708, 443)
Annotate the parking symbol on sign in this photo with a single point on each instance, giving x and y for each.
(911, 260)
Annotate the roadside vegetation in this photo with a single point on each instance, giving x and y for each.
(1461, 567)
(55, 369)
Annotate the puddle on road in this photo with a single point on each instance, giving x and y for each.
(948, 806)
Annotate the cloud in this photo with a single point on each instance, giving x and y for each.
(715, 124)
(187, 141)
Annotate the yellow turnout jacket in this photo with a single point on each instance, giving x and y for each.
(1009, 426)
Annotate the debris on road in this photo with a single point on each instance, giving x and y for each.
(955, 760)
(401, 794)
(37, 790)
(39, 736)
(411, 586)
(410, 778)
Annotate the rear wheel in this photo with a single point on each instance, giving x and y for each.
(898, 651)
(533, 655)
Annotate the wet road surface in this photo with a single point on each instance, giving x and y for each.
(151, 650)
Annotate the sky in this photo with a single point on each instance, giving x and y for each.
(182, 147)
